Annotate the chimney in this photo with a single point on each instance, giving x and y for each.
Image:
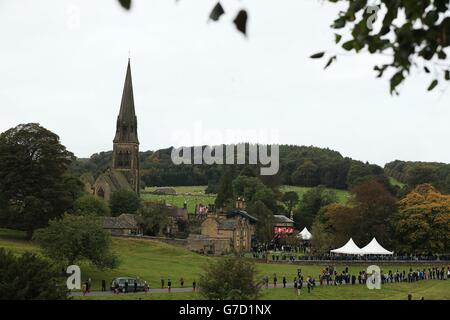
(240, 203)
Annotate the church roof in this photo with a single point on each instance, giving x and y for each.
(116, 180)
(126, 131)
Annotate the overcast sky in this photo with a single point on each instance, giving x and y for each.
(63, 65)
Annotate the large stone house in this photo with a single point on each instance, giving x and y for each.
(223, 232)
(123, 173)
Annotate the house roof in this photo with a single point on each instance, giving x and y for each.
(279, 218)
(243, 214)
(124, 221)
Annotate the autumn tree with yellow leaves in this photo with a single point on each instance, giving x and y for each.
(422, 224)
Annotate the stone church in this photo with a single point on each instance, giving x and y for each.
(124, 170)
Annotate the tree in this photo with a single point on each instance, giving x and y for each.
(367, 216)
(413, 33)
(76, 238)
(306, 175)
(312, 201)
(33, 181)
(374, 206)
(153, 218)
(265, 222)
(421, 174)
(225, 196)
(290, 200)
(124, 201)
(422, 224)
(230, 279)
(89, 204)
(29, 277)
(333, 226)
(252, 189)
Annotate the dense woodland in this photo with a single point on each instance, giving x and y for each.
(299, 165)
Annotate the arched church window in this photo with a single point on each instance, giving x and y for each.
(100, 193)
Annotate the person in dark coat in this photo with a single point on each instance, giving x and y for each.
(126, 286)
(103, 285)
(135, 285)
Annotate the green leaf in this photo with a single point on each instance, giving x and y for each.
(447, 75)
(125, 4)
(426, 69)
(396, 80)
(433, 85)
(349, 45)
(330, 61)
(317, 55)
(241, 21)
(216, 12)
(337, 38)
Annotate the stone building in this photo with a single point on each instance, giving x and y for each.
(123, 225)
(124, 170)
(222, 232)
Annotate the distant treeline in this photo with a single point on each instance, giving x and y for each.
(299, 166)
(415, 173)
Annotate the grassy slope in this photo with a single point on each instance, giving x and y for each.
(151, 260)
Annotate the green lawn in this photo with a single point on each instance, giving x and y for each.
(151, 260)
(396, 183)
(342, 195)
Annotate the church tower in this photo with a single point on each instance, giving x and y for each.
(126, 143)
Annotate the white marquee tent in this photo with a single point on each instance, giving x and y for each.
(375, 248)
(349, 248)
(305, 234)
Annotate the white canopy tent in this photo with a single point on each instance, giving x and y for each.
(375, 248)
(349, 248)
(305, 234)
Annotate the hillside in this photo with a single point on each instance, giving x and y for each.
(299, 166)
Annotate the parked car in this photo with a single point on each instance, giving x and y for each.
(120, 284)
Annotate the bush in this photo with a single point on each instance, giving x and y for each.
(89, 204)
(76, 238)
(29, 277)
(230, 279)
(124, 201)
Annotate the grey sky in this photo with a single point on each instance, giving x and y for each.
(63, 65)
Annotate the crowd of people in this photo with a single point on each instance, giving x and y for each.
(283, 256)
(332, 277)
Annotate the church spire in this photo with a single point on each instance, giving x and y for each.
(126, 129)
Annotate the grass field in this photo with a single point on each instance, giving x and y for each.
(396, 183)
(195, 195)
(151, 260)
